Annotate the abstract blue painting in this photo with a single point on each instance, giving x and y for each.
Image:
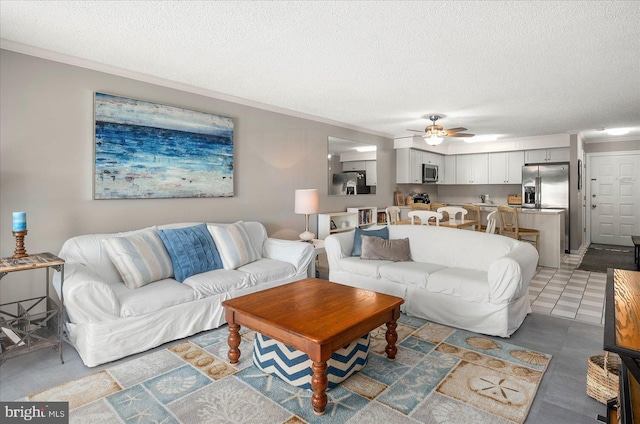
(145, 150)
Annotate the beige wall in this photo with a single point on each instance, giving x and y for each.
(612, 146)
(46, 162)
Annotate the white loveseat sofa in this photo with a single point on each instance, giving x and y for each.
(465, 279)
(106, 320)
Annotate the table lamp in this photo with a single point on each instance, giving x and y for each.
(306, 203)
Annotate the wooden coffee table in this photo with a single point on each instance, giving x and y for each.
(316, 317)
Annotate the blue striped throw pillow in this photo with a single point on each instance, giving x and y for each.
(140, 258)
(192, 250)
(234, 245)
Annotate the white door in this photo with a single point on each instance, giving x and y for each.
(614, 198)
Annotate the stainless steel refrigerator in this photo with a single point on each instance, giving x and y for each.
(547, 187)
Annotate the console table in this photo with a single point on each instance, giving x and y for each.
(31, 324)
(622, 336)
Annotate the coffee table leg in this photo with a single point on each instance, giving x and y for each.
(234, 342)
(319, 383)
(392, 338)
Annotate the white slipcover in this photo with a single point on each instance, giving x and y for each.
(106, 321)
(465, 279)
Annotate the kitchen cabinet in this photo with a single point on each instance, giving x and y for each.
(472, 169)
(449, 174)
(371, 172)
(354, 165)
(558, 154)
(506, 167)
(409, 165)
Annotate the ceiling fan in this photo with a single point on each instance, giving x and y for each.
(434, 134)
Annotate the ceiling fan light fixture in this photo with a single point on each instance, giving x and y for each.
(433, 139)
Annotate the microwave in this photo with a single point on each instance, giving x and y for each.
(429, 173)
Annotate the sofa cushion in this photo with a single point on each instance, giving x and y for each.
(140, 258)
(357, 266)
(264, 270)
(467, 284)
(389, 250)
(234, 245)
(410, 273)
(357, 238)
(152, 297)
(192, 250)
(217, 282)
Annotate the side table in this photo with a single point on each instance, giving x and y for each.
(31, 324)
(621, 336)
(636, 251)
(318, 248)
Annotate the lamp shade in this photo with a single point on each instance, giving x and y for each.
(307, 201)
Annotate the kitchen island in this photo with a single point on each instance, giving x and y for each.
(550, 223)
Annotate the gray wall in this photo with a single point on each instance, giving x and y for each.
(46, 163)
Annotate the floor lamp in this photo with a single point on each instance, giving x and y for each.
(306, 203)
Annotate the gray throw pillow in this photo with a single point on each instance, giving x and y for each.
(389, 250)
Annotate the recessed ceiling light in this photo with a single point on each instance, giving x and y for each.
(618, 131)
(367, 149)
(480, 138)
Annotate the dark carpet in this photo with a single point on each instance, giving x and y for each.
(599, 257)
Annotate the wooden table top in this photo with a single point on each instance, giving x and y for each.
(314, 309)
(37, 260)
(451, 223)
(623, 293)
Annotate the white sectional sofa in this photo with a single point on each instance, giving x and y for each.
(106, 320)
(465, 279)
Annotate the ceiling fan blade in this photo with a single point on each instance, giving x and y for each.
(420, 131)
(457, 129)
(460, 135)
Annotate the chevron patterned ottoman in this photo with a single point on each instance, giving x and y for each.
(294, 366)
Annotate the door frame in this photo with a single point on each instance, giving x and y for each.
(587, 183)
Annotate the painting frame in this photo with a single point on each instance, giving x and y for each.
(146, 150)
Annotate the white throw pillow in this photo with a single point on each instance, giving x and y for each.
(140, 258)
(234, 244)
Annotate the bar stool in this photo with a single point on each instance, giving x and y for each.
(509, 227)
(393, 215)
(425, 216)
(473, 212)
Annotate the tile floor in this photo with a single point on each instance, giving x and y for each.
(569, 293)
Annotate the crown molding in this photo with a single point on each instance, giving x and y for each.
(139, 76)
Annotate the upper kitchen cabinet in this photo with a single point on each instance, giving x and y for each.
(409, 165)
(371, 172)
(354, 165)
(558, 154)
(472, 169)
(506, 167)
(449, 174)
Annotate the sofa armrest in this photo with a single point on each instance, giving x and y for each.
(87, 297)
(510, 275)
(338, 246)
(296, 253)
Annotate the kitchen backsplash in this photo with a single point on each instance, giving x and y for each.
(462, 193)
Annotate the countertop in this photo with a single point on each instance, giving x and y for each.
(492, 206)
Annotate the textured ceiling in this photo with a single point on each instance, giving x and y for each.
(512, 69)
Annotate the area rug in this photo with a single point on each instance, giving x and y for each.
(441, 375)
(599, 257)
